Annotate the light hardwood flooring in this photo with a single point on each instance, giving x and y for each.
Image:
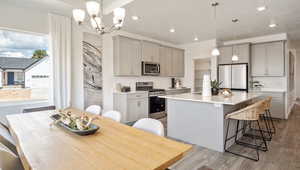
(283, 154)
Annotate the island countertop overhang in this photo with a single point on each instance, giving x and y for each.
(236, 98)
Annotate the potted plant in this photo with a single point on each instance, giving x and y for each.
(215, 86)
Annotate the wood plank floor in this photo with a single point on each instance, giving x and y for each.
(283, 154)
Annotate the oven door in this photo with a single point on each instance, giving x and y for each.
(156, 104)
(150, 68)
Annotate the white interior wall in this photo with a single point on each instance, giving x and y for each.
(110, 81)
(196, 51)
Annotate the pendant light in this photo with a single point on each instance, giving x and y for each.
(235, 56)
(215, 52)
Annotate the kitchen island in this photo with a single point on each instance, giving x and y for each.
(199, 120)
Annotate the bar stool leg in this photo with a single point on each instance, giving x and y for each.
(262, 135)
(273, 125)
(268, 128)
(226, 135)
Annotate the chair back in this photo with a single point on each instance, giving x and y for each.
(94, 109)
(9, 160)
(114, 115)
(250, 112)
(150, 125)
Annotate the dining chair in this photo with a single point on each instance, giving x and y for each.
(114, 115)
(94, 109)
(6, 138)
(9, 160)
(150, 125)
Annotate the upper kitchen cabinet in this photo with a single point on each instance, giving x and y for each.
(150, 52)
(127, 56)
(165, 60)
(177, 63)
(171, 62)
(268, 59)
(241, 50)
(243, 53)
(225, 55)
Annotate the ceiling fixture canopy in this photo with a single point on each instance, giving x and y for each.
(215, 52)
(95, 11)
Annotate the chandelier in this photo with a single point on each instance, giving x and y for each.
(95, 11)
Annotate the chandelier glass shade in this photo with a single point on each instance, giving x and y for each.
(95, 12)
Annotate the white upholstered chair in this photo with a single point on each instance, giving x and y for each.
(9, 160)
(94, 109)
(150, 125)
(114, 115)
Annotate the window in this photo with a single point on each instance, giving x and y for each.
(24, 66)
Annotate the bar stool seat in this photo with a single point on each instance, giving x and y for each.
(249, 114)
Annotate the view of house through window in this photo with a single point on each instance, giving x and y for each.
(24, 66)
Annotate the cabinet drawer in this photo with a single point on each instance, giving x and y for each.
(137, 95)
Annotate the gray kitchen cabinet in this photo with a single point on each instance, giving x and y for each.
(133, 105)
(171, 62)
(177, 63)
(241, 50)
(127, 56)
(150, 51)
(225, 55)
(165, 60)
(277, 104)
(258, 60)
(275, 60)
(268, 59)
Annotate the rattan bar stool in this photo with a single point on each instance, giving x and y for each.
(268, 114)
(263, 114)
(249, 114)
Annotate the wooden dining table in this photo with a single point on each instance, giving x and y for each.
(114, 146)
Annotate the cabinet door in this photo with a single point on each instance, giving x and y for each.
(150, 52)
(143, 108)
(225, 55)
(177, 63)
(127, 56)
(258, 60)
(243, 52)
(137, 109)
(165, 58)
(275, 59)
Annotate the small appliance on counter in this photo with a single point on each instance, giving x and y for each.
(120, 88)
(125, 89)
(175, 83)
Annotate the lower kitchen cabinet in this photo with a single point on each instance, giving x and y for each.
(133, 105)
(277, 104)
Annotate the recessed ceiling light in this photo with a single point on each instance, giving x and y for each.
(196, 39)
(261, 8)
(135, 18)
(172, 30)
(273, 25)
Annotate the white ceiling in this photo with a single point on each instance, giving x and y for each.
(192, 18)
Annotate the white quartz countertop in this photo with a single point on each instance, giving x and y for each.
(236, 98)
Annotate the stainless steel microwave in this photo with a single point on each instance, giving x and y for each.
(150, 69)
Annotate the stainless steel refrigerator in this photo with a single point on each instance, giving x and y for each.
(233, 76)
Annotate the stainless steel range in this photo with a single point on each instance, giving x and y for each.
(156, 104)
